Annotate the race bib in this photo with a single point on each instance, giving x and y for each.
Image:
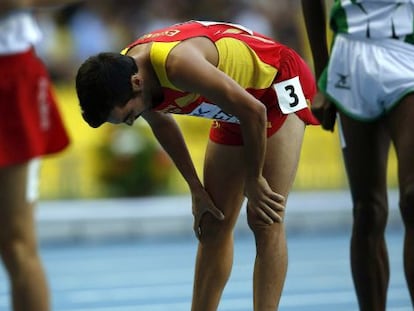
(290, 95)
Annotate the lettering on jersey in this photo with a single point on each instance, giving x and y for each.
(290, 95)
(206, 110)
(167, 33)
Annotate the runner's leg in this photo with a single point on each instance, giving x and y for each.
(282, 156)
(401, 126)
(365, 155)
(224, 180)
(18, 246)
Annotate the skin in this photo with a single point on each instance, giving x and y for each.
(262, 170)
(365, 157)
(18, 246)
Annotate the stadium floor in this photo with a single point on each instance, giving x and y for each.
(138, 255)
(156, 275)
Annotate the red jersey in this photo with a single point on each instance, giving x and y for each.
(254, 61)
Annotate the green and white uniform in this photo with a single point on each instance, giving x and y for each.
(374, 19)
(372, 59)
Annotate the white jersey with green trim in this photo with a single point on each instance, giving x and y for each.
(374, 18)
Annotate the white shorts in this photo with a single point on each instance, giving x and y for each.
(32, 186)
(365, 78)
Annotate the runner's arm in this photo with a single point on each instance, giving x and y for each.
(189, 70)
(171, 139)
(314, 12)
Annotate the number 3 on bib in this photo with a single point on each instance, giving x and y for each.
(290, 95)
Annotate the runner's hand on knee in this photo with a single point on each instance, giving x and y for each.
(264, 202)
(202, 204)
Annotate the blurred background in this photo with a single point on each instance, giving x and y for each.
(122, 161)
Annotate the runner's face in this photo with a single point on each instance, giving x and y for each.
(139, 103)
(129, 112)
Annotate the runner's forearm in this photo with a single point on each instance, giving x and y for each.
(171, 139)
(314, 13)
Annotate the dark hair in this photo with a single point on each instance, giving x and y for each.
(103, 81)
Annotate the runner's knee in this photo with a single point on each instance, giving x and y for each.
(262, 230)
(407, 205)
(370, 217)
(15, 253)
(214, 230)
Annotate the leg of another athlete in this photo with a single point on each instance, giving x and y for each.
(402, 128)
(282, 156)
(365, 151)
(18, 247)
(224, 180)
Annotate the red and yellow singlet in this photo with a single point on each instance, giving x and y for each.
(268, 70)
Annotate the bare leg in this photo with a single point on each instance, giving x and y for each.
(18, 246)
(283, 151)
(224, 180)
(401, 127)
(365, 155)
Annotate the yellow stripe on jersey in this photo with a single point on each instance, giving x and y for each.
(242, 64)
(236, 59)
(124, 51)
(158, 55)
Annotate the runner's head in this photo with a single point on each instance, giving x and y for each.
(103, 82)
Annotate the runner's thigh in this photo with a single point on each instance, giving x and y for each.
(224, 172)
(282, 155)
(365, 147)
(16, 212)
(400, 122)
